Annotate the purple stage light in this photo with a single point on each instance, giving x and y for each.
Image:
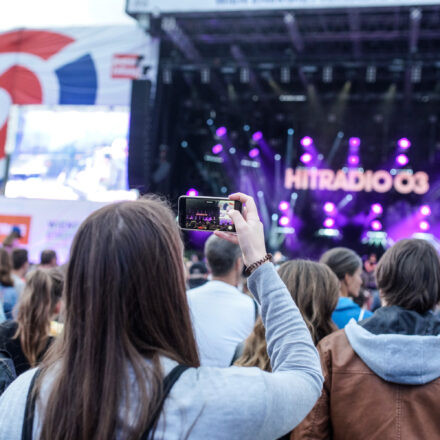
(283, 206)
(306, 158)
(424, 225)
(284, 221)
(425, 210)
(221, 131)
(255, 152)
(376, 225)
(354, 142)
(216, 149)
(329, 222)
(376, 208)
(329, 207)
(257, 136)
(404, 143)
(306, 141)
(353, 160)
(192, 192)
(402, 159)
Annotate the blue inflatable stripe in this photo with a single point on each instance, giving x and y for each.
(78, 82)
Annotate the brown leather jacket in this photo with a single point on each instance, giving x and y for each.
(357, 404)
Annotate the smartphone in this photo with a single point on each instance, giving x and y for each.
(206, 213)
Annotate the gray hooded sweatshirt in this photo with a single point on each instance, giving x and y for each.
(223, 403)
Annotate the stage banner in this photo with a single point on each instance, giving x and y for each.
(72, 66)
(184, 6)
(44, 224)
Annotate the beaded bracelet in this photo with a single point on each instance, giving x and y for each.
(258, 263)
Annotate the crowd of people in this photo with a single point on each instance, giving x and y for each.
(129, 341)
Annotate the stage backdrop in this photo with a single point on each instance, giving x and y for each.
(44, 224)
(182, 6)
(84, 66)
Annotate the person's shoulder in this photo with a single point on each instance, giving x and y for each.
(8, 329)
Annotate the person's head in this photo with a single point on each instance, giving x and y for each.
(5, 268)
(48, 258)
(20, 261)
(347, 266)
(370, 262)
(39, 302)
(223, 258)
(315, 290)
(408, 275)
(198, 275)
(13, 238)
(255, 349)
(125, 306)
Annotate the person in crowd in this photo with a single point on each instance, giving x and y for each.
(221, 314)
(315, 290)
(27, 339)
(198, 275)
(369, 280)
(347, 266)
(12, 240)
(127, 327)
(382, 375)
(8, 293)
(20, 266)
(48, 259)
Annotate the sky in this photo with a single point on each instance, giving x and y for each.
(61, 13)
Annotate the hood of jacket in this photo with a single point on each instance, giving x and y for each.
(400, 346)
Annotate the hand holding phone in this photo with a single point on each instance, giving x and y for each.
(250, 231)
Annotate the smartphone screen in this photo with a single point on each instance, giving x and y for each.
(206, 213)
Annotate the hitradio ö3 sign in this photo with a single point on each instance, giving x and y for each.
(380, 181)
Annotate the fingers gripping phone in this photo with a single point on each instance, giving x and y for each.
(206, 213)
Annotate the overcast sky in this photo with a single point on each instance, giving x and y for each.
(61, 13)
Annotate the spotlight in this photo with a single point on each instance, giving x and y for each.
(184, 144)
(376, 208)
(221, 131)
(223, 189)
(353, 159)
(306, 158)
(277, 157)
(306, 141)
(424, 225)
(244, 75)
(283, 206)
(205, 75)
(290, 131)
(402, 159)
(255, 152)
(329, 222)
(404, 143)
(260, 194)
(425, 210)
(257, 136)
(376, 225)
(354, 142)
(371, 74)
(192, 192)
(274, 217)
(285, 75)
(232, 150)
(246, 127)
(284, 221)
(329, 207)
(217, 149)
(209, 122)
(327, 74)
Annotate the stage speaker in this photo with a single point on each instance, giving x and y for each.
(140, 154)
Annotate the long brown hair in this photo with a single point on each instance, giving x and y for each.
(125, 302)
(255, 349)
(315, 290)
(37, 303)
(5, 268)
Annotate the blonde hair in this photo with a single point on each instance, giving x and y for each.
(37, 303)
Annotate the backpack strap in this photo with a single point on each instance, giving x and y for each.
(28, 421)
(167, 384)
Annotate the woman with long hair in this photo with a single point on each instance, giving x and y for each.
(128, 337)
(347, 266)
(27, 339)
(8, 294)
(315, 290)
